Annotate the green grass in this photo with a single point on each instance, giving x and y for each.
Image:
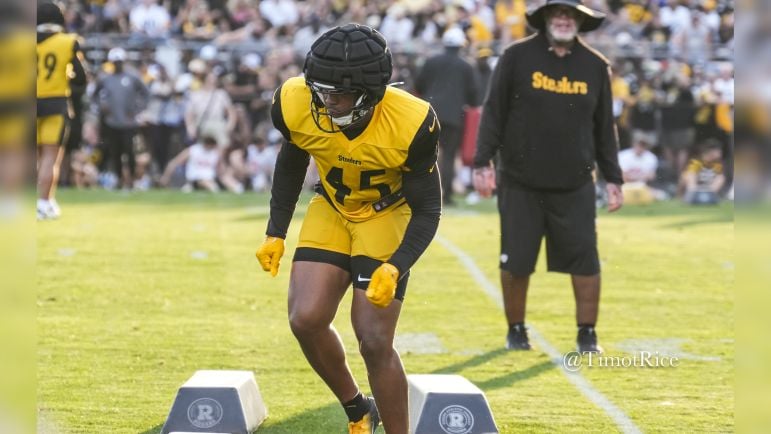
(136, 292)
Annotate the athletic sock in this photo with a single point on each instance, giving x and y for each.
(357, 407)
(585, 326)
(514, 325)
(43, 203)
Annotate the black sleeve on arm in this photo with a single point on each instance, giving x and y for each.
(77, 67)
(424, 196)
(605, 135)
(423, 193)
(291, 166)
(425, 145)
(494, 113)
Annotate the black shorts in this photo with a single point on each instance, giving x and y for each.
(360, 267)
(567, 219)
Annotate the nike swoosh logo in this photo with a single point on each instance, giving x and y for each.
(362, 279)
(433, 126)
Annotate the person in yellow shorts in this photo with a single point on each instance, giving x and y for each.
(377, 209)
(59, 60)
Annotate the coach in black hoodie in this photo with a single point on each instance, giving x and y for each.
(549, 114)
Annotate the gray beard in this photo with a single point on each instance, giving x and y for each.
(562, 37)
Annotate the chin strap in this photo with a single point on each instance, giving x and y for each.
(346, 120)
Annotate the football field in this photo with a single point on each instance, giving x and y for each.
(135, 292)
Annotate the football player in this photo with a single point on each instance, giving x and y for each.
(376, 211)
(59, 60)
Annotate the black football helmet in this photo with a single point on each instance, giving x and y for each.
(49, 13)
(349, 59)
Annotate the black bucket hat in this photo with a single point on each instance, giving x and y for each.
(592, 18)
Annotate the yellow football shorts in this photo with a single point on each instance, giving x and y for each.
(50, 129)
(357, 247)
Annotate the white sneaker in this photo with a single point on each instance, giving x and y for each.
(54, 206)
(45, 213)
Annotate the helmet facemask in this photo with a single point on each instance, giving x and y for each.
(361, 108)
(351, 60)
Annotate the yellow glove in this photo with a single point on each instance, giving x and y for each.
(269, 254)
(382, 287)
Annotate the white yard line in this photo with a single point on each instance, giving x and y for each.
(623, 421)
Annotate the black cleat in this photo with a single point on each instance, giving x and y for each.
(517, 338)
(368, 424)
(587, 341)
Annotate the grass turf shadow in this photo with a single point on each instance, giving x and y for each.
(329, 418)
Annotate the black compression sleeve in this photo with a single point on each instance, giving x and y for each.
(291, 166)
(423, 194)
(77, 67)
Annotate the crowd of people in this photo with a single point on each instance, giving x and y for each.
(212, 66)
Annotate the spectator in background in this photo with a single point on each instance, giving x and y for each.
(693, 42)
(96, 8)
(116, 16)
(675, 15)
(280, 13)
(233, 174)
(149, 19)
(165, 115)
(83, 171)
(198, 22)
(304, 37)
(677, 126)
(260, 162)
(638, 165)
(448, 82)
(241, 12)
(85, 160)
(397, 26)
(230, 170)
(725, 30)
(510, 17)
(201, 161)
(642, 113)
(254, 30)
(658, 34)
(210, 108)
(122, 97)
(242, 87)
(703, 179)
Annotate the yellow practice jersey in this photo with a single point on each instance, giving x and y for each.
(362, 177)
(55, 55)
(16, 67)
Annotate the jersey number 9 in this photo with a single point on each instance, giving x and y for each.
(49, 63)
